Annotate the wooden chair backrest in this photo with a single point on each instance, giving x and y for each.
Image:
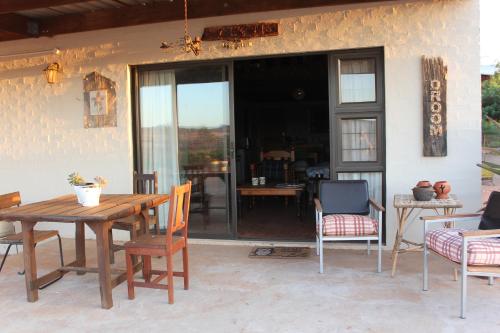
(145, 183)
(278, 155)
(9, 200)
(178, 210)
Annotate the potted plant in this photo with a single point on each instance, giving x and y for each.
(88, 193)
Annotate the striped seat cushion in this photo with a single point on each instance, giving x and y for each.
(448, 243)
(349, 225)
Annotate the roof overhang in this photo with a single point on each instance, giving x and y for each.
(36, 18)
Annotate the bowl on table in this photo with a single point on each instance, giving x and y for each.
(423, 193)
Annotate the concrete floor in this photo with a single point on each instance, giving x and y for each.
(233, 293)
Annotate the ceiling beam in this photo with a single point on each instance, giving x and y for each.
(170, 11)
(10, 6)
(18, 25)
(14, 26)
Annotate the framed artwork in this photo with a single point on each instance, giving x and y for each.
(99, 101)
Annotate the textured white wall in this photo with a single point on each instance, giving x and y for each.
(42, 136)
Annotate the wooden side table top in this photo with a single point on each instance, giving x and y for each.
(408, 201)
(67, 209)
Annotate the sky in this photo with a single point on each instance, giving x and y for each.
(490, 32)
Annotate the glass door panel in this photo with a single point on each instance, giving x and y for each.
(183, 133)
(204, 140)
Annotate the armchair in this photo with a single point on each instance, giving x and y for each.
(477, 252)
(343, 214)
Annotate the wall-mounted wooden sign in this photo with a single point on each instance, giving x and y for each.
(99, 99)
(434, 93)
(240, 31)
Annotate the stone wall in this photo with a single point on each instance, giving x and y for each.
(42, 136)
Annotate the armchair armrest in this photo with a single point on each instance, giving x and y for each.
(452, 218)
(376, 205)
(480, 233)
(317, 203)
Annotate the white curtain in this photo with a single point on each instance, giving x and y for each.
(374, 180)
(159, 143)
(359, 140)
(357, 81)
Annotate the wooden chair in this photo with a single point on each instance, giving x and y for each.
(276, 165)
(142, 184)
(476, 252)
(200, 199)
(14, 199)
(343, 214)
(163, 245)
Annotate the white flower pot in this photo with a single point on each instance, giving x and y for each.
(88, 195)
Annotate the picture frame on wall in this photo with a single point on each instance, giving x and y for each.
(99, 101)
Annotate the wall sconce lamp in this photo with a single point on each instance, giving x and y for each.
(52, 73)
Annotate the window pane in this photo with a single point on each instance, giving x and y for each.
(359, 140)
(374, 180)
(357, 80)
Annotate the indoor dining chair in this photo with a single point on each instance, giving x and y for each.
(164, 246)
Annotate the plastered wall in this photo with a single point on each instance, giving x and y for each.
(42, 137)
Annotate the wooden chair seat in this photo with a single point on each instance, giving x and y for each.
(39, 235)
(130, 222)
(127, 223)
(14, 199)
(156, 242)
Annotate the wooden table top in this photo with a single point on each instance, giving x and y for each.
(272, 186)
(67, 209)
(408, 201)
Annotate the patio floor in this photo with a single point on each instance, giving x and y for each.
(233, 293)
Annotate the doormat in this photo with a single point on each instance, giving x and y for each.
(279, 252)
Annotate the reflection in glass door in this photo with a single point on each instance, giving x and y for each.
(184, 134)
(204, 135)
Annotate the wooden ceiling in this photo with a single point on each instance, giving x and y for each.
(21, 19)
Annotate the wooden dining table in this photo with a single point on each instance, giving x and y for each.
(100, 218)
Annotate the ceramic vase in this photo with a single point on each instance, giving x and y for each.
(442, 188)
(424, 183)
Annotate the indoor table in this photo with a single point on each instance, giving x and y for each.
(100, 218)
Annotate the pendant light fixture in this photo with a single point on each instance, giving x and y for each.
(188, 43)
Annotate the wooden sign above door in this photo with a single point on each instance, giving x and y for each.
(434, 95)
(240, 31)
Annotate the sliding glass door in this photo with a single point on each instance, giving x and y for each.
(183, 131)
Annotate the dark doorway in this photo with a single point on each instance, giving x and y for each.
(281, 104)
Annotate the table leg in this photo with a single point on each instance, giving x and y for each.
(30, 276)
(449, 211)
(102, 239)
(144, 218)
(402, 217)
(238, 202)
(80, 245)
(298, 195)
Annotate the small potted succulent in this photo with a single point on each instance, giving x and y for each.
(88, 193)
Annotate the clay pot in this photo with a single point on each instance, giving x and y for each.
(424, 183)
(423, 193)
(442, 188)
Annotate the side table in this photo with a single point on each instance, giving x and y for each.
(405, 204)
